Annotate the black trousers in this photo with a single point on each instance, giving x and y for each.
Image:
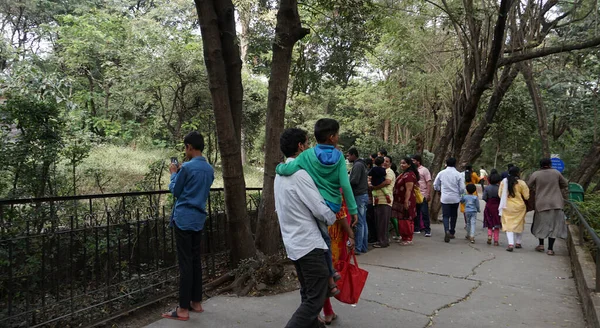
(313, 275)
(371, 223)
(190, 266)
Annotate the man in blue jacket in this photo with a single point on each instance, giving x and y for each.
(190, 185)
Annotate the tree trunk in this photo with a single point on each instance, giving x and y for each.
(468, 91)
(224, 77)
(233, 63)
(245, 15)
(287, 32)
(472, 149)
(588, 167)
(386, 129)
(538, 105)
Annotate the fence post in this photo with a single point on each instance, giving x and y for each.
(581, 230)
(597, 269)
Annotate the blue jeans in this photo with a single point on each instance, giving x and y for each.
(449, 214)
(327, 254)
(423, 211)
(362, 230)
(471, 222)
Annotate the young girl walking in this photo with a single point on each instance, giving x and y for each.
(491, 218)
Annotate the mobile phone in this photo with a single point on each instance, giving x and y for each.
(174, 161)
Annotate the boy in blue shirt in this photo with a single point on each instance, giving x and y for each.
(190, 185)
(471, 209)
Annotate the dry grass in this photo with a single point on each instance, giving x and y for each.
(123, 168)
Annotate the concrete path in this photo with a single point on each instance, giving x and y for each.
(432, 284)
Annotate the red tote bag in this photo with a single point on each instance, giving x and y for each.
(352, 282)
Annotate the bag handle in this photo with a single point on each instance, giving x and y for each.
(352, 255)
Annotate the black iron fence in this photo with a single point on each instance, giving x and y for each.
(77, 261)
(585, 230)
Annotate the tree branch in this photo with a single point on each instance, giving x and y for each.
(549, 51)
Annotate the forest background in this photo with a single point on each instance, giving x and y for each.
(97, 95)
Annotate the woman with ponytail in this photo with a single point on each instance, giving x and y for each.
(513, 192)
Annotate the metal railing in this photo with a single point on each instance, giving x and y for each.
(583, 227)
(83, 260)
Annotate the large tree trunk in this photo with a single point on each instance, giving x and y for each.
(538, 104)
(472, 149)
(469, 89)
(287, 32)
(588, 167)
(224, 76)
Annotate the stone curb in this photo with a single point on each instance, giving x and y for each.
(584, 270)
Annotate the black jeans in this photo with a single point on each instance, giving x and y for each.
(371, 223)
(313, 275)
(449, 214)
(190, 266)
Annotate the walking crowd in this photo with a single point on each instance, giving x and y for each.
(327, 214)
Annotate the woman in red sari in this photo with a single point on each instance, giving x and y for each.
(405, 205)
(340, 233)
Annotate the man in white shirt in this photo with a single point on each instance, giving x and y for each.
(298, 203)
(451, 184)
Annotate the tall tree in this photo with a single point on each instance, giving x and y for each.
(287, 32)
(223, 65)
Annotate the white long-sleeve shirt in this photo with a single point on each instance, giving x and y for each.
(298, 203)
(451, 183)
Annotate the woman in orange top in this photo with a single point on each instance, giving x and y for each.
(339, 233)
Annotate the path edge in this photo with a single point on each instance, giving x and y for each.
(584, 271)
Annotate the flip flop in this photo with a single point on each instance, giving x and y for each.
(550, 252)
(173, 315)
(337, 277)
(322, 319)
(333, 290)
(194, 310)
(540, 248)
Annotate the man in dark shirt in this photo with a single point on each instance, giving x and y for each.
(190, 185)
(360, 188)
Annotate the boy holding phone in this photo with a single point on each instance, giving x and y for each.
(190, 185)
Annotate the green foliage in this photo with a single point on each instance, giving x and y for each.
(31, 145)
(590, 209)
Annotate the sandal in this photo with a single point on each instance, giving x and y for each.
(336, 276)
(550, 252)
(324, 320)
(333, 290)
(406, 243)
(510, 248)
(173, 315)
(489, 242)
(518, 246)
(496, 243)
(540, 248)
(194, 310)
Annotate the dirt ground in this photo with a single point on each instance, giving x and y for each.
(148, 314)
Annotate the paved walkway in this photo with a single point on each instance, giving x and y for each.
(432, 284)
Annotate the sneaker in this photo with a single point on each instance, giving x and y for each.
(447, 237)
(417, 232)
(395, 238)
(472, 240)
(428, 234)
